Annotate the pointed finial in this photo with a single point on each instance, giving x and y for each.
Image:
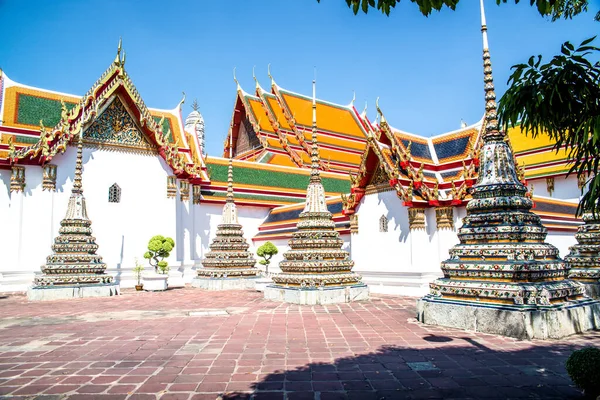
(182, 101)
(270, 76)
(235, 79)
(118, 56)
(123, 59)
(315, 175)
(195, 105)
(483, 26)
(463, 124)
(353, 98)
(364, 111)
(492, 130)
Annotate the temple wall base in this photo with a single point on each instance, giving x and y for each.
(224, 283)
(44, 293)
(580, 316)
(332, 295)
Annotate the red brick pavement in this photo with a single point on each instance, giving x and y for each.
(147, 346)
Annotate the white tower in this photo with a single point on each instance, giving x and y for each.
(194, 124)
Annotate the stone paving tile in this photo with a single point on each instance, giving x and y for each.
(147, 346)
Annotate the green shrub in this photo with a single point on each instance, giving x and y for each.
(266, 251)
(583, 366)
(159, 248)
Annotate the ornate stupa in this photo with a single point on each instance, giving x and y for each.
(503, 278)
(228, 264)
(74, 269)
(584, 258)
(316, 270)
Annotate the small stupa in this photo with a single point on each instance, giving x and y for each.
(503, 278)
(316, 270)
(74, 269)
(228, 265)
(584, 258)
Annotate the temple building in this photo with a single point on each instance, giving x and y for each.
(396, 199)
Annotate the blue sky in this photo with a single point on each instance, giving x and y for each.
(426, 71)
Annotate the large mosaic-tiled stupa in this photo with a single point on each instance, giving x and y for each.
(316, 270)
(584, 258)
(74, 269)
(503, 278)
(228, 264)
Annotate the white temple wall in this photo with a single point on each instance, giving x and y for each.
(565, 188)
(396, 261)
(122, 230)
(208, 216)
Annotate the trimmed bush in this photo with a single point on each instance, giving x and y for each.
(583, 366)
(159, 248)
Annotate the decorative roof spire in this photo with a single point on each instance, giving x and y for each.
(492, 132)
(315, 175)
(195, 106)
(239, 88)
(270, 76)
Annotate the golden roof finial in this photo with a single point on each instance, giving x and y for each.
(182, 101)
(119, 48)
(364, 111)
(353, 98)
(123, 59)
(270, 76)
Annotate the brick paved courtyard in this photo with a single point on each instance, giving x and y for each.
(190, 344)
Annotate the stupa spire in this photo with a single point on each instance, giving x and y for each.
(315, 174)
(77, 182)
(230, 172)
(492, 130)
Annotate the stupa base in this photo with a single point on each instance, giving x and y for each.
(327, 295)
(224, 283)
(44, 293)
(591, 289)
(518, 322)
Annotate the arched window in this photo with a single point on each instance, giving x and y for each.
(114, 194)
(383, 224)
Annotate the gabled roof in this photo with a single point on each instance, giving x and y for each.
(282, 120)
(37, 124)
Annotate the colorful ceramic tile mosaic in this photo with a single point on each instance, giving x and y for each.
(316, 258)
(74, 260)
(502, 257)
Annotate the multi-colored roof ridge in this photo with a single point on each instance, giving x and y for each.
(26, 111)
(283, 137)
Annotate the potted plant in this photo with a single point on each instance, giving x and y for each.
(583, 366)
(137, 271)
(159, 248)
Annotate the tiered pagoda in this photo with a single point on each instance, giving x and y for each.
(316, 270)
(503, 278)
(74, 269)
(228, 265)
(584, 258)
